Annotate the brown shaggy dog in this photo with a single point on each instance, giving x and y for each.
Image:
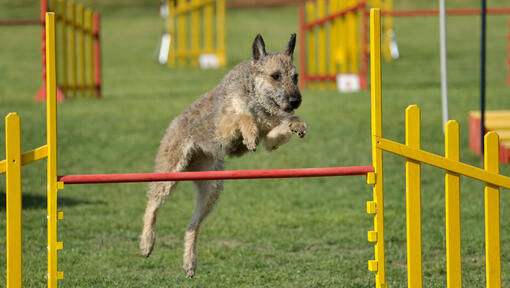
(256, 100)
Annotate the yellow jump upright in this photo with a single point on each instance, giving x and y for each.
(453, 168)
(197, 30)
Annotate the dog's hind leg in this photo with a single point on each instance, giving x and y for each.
(208, 193)
(157, 194)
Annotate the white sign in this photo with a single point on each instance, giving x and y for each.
(208, 61)
(347, 82)
(164, 48)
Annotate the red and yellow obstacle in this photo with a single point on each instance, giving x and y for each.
(333, 41)
(411, 150)
(197, 33)
(78, 50)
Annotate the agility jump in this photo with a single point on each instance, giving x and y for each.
(186, 22)
(410, 150)
(78, 50)
(335, 32)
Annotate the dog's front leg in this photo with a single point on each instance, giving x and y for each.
(281, 134)
(249, 131)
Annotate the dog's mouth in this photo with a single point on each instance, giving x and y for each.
(287, 109)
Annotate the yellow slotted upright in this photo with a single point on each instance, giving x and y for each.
(492, 217)
(321, 13)
(377, 265)
(452, 203)
(51, 128)
(413, 200)
(13, 200)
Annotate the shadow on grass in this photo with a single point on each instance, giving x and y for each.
(31, 201)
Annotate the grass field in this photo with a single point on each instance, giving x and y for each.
(264, 233)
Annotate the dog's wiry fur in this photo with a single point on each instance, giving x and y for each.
(255, 100)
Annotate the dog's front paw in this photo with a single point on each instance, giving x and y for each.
(298, 127)
(251, 144)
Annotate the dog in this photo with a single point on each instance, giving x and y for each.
(254, 101)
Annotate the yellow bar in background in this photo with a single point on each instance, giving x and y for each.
(352, 19)
(343, 33)
(51, 128)
(332, 41)
(377, 265)
(220, 33)
(208, 29)
(170, 22)
(321, 13)
(312, 53)
(195, 32)
(452, 203)
(63, 46)
(72, 49)
(492, 214)
(182, 44)
(413, 200)
(90, 50)
(81, 48)
(13, 200)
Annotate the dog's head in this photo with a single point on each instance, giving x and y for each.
(275, 78)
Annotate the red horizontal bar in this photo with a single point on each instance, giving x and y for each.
(216, 175)
(332, 17)
(450, 12)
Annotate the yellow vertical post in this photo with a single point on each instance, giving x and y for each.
(170, 22)
(182, 42)
(492, 217)
(332, 42)
(312, 53)
(220, 33)
(321, 13)
(51, 127)
(377, 265)
(81, 45)
(195, 32)
(90, 49)
(208, 28)
(452, 203)
(413, 200)
(13, 199)
(72, 48)
(63, 45)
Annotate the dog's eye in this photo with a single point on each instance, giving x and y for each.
(295, 78)
(276, 76)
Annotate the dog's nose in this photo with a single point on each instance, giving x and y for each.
(295, 101)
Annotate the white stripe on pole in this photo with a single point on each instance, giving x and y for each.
(444, 78)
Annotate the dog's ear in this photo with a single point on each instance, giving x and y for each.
(259, 48)
(289, 50)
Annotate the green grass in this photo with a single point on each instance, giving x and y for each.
(264, 233)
